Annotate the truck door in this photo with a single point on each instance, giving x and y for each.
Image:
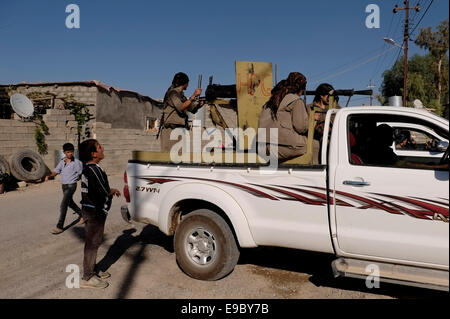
(385, 208)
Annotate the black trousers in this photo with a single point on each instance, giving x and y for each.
(94, 227)
(67, 201)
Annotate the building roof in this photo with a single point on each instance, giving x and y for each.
(96, 83)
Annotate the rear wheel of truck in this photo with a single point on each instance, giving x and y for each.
(205, 247)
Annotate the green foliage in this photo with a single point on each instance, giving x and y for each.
(39, 135)
(42, 124)
(80, 111)
(40, 141)
(428, 75)
(435, 42)
(416, 87)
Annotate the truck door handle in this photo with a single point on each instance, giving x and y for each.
(356, 183)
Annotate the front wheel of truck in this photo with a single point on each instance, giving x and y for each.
(205, 247)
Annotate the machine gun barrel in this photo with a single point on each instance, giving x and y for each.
(346, 92)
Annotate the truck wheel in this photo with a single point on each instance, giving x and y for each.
(205, 247)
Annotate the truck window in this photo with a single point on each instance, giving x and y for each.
(414, 140)
(395, 141)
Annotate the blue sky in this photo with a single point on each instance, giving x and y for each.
(140, 44)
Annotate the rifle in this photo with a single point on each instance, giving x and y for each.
(161, 124)
(199, 86)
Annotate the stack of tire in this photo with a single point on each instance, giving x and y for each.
(25, 165)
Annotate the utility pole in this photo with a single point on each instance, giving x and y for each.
(405, 46)
(370, 87)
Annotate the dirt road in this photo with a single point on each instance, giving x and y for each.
(142, 262)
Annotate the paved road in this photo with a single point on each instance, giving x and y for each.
(142, 262)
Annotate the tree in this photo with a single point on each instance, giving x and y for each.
(428, 77)
(421, 81)
(437, 43)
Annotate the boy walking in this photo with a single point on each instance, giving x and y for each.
(70, 170)
(96, 201)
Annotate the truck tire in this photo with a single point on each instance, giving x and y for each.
(28, 166)
(205, 247)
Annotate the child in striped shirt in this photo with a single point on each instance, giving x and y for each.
(96, 199)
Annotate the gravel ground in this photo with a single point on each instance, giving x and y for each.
(142, 262)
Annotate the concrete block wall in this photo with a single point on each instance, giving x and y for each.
(119, 143)
(81, 93)
(16, 135)
(62, 129)
(125, 111)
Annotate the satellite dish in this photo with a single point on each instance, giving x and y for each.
(22, 105)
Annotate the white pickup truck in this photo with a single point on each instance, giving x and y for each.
(393, 217)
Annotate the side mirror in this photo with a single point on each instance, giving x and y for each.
(442, 146)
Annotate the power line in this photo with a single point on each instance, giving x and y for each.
(354, 67)
(383, 47)
(398, 55)
(397, 29)
(406, 8)
(384, 58)
(415, 14)
(359, 99)
(343, 65)
(423, 15)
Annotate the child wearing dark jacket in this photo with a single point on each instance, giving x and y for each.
(96, 199)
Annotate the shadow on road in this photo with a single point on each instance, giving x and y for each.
(318, 266)
(79, 232)
(149, 235)
(73, 224)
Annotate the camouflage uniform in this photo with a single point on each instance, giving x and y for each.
(320, 124)
(174, 117)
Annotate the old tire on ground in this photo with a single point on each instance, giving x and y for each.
(28, 166)
(4, 166)
(205, 247)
